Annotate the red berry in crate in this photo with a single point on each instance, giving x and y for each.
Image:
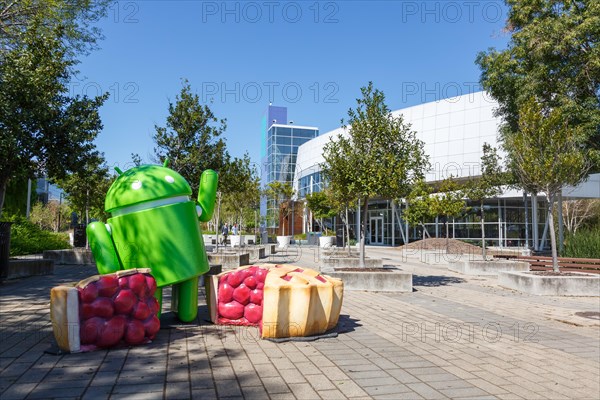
(137, 283)
(151, 284)
(256, 296)
(103, 307)
(242, 294)
(232, 310)
(135, 332)
(141, 311)
(225, 292)
(152, 325)
(89, 293)
(91, 330)
(250, 282)
(124, 301)
(108, 285)
(105, 311)
(253, 313)
(113, 331)
(124, 282)
(235, 279)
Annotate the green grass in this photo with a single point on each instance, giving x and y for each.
(584, 244)
(28, 238)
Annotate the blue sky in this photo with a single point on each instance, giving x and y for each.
(310, 56)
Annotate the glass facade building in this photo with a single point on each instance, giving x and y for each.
(280, 148)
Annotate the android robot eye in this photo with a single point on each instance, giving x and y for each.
(136, 185)
(169, 179)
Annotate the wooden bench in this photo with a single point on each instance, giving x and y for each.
(541, 263)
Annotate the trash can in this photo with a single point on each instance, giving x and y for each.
(79, 236)
(4, 249)
(340, 235)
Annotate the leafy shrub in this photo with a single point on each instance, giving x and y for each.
(28, 238)
(584, 244)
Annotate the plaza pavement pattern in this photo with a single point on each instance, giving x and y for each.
(452, 337)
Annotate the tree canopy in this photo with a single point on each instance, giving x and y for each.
(42, 128)
(192, 138)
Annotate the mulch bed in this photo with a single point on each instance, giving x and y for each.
(552, 273)
(364, 269)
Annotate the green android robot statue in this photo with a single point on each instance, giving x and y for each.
(154, 225)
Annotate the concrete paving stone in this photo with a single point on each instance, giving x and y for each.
(104, 379)
(266, 370)
(303, 391)
(275, 385)
(282, 396)
(350, 388)
(201, 380)
(283, 363)
(383, 380)
(321, 361)
(307, 368)
(320, 382)
(46, 392)
(97, 392)
(334, 373)
(254, 392)
(362, 367)
(398, 389)
(137, 396)
(33, 375)
(292, 376)
(204, 394)
(487, 386)
(15, 370)
(378, 373)
(331, 394)
(18, 391)
(463, 392)
(177, 390)
(248, 378)
(426, 391)
(139, 388)
(523, 392)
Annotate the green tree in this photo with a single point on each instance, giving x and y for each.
(282, 193)
(86, 189)
(447, 202)
(240, 187)
(192, 138)
(419, 208)
(384, 154)
(321, 206)
(486, 186)
(548, 153)
(553, 56)
(42, 129)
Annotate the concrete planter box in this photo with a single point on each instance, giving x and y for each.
(326, 241)
(209, 239)
(236, 240)
(393, 281)
(328, 264)
(229, 260)
(283, 241)
(488, 268)
(24, 268)
(270, 249)
(70, 256)
(579, 284)
(255, 252)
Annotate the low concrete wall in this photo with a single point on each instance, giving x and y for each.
(395, 281)
(229, 260)
(70, 256)
(488, 268)
(255, 252)
(544, 285)
(24, 268)
(328, 264)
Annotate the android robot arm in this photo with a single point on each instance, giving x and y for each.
(103, 248)
(207, 194)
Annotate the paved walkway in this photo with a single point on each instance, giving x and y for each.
(453, 337)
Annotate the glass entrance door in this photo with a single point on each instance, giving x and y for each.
(376, 225)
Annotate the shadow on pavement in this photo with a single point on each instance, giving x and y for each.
(434, 281)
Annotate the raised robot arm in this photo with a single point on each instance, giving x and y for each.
(207, 192)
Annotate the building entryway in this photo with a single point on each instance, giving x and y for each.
(376, 231)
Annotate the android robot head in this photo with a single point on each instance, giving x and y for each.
(154, 224)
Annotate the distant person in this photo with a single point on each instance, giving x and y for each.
(225, 232)
(234, 230)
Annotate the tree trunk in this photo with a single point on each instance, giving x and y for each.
(483, 249)
(347, 222)
(552, 234)
(3, 185)
(363, 231)
(447, 233)
(425, 232)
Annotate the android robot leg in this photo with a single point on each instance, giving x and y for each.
(184, 299)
